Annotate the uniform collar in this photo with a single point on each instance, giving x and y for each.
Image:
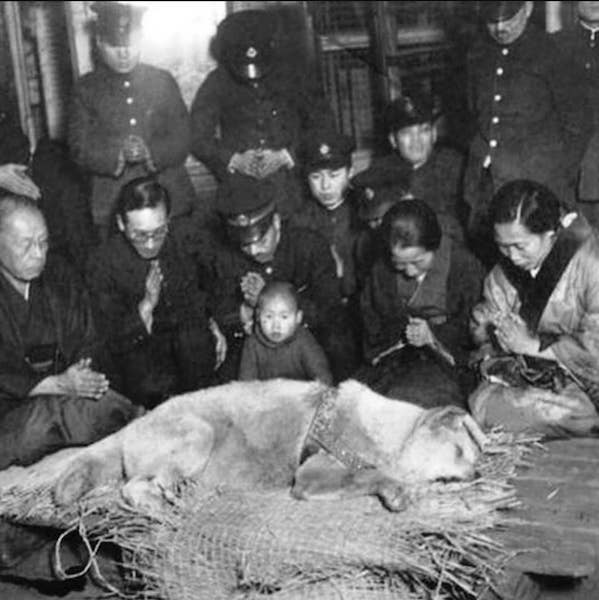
(589, 30)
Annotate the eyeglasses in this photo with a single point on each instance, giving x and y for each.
(143, 237)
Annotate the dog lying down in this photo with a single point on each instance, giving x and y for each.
(324, 442)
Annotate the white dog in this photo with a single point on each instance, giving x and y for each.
(325, 442)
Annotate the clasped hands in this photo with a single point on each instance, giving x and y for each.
(134, 150)
(509, 330)
(260, 163)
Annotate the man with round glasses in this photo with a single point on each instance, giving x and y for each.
(149, 300)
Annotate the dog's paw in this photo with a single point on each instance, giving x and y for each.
(392, 496)
(80, 478)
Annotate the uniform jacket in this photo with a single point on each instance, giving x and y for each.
(58, 312)
(437, 182)
(14, 145)
(561, 305)
(299, 357)
(229, 116)
(444, 298)
(106, 107)
(301, 258)
(340, 227)
(581, 46)
(529, 122)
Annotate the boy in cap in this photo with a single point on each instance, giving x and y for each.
(128, 119)
(331, 211)
(259, 247)
(528, 121)
(249, 113)
(417, 167)
(280, 346)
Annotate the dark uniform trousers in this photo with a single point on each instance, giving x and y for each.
(581, 45)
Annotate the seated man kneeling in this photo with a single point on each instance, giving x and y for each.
(52, 394)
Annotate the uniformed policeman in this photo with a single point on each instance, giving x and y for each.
(581, 44)
(260, 247)
(249, 113)
(128, 119)
(529, 123)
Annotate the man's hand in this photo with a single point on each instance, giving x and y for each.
(78, 380)
(245, 163)
(270, 161)
(14, 178)
(246, 316)
(251, 286)
(418, 333)
(136, 151)
(220, 343)
(150, 300)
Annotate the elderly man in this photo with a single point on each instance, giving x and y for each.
(258, 247)
(128, 119)
(580, 43)
(149, 301)
(53, 390)
(529, 122)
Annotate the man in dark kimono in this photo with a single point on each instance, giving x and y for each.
(128, 119)
(249, 114)
(581, 44)
(529, 122)
(149, 301)
(53, 392)
(258, 247)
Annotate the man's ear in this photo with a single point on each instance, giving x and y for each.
(392, 140)
(276, 221)
(120, 223)
(299, 316)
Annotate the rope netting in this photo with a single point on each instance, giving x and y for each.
(240, 544)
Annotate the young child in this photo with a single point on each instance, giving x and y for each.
(280, 346)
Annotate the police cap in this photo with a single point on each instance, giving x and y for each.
(245, 42)
(247, 206)
(325, 150)
(407, 110)
(494, 12)
(117, 21)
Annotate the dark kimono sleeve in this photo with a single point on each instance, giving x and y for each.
(91, 145)
(206, 143)
(115, 313)
(464, 292)
(16, 378)
(170, 144)
(383, 322)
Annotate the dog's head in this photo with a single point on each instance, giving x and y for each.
(444, 445)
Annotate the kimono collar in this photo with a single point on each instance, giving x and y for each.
(534, 292)
(432, 291)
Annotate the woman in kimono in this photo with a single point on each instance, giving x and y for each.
(538, 325)
(415, 305)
